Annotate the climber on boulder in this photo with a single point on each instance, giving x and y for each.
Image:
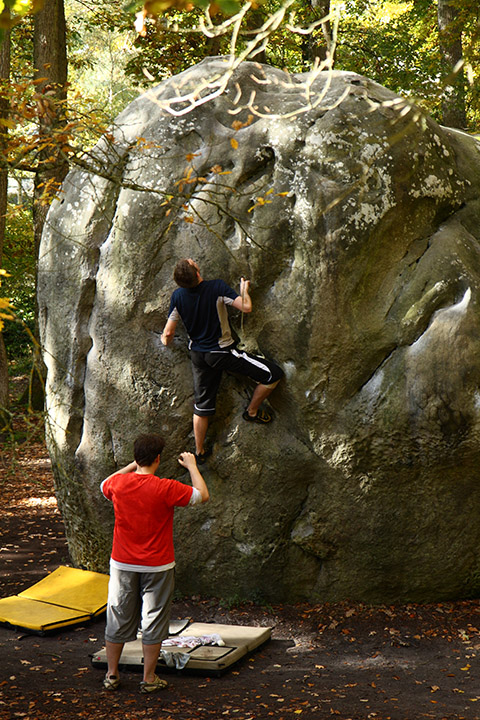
(202, 306)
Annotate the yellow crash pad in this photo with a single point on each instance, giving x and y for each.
(65, 597)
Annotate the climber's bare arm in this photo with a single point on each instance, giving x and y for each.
(168, 332)
(243, 302)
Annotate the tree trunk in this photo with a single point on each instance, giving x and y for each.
(450, 41)
(255, 19)
(315, 47)
(50, 63)
(4, 77)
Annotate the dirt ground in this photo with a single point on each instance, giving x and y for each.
(323, 661)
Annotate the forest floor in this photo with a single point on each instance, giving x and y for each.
(340, 660)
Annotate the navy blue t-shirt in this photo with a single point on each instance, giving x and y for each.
(204, 314)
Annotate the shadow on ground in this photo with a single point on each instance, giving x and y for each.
(328, 660)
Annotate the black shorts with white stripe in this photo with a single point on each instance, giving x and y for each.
(207, 372)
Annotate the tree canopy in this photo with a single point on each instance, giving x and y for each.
(114, 50)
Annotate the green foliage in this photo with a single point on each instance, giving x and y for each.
(396, 43)
(21, 50)
(171, 46)
(157, 7)
(172, 42)
(12, 12)
(19, 262)
(293, 51)
(100, 42)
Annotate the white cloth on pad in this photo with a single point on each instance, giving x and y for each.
(191, 641)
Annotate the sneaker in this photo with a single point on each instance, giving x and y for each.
(111, 682)
(201, 458)
(262, 417)
(154, 686)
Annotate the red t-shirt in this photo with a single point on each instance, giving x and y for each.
(144, 506)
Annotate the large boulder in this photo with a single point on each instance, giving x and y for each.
(357, 220)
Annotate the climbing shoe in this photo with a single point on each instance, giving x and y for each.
(262, 417)
(201, 458)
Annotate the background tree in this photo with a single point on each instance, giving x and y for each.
(50, 82)
(50, 74)
(4, 78)
(397, 44)
(451, 48)
(320, 47)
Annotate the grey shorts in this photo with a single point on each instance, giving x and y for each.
(139, 600)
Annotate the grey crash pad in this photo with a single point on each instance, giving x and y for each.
(204, 659)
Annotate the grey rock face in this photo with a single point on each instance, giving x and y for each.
(358, 222)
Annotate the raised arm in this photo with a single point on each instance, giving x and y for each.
(188, 461)
(243, 302)
(168, 331)
(131, 467)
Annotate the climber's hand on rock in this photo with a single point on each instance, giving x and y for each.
(187, 459)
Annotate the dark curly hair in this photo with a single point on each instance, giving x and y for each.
(146, 448)
(185, 274)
